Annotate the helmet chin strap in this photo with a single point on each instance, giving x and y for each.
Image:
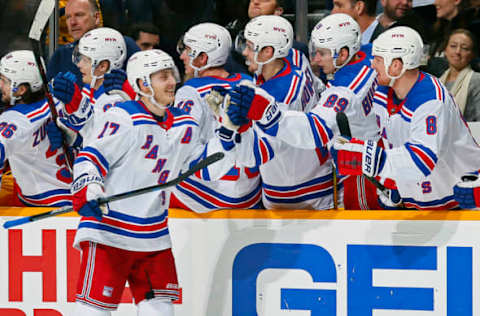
(258, 72)
(392, 78)
(151, 98)
(13, 99)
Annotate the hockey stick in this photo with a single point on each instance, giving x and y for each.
(44, 11)
(66, 209)
(344, 127)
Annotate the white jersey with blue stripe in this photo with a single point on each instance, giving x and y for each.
(296, 178)
(240, 187)
(133, 150)
(94, 104)
(428, 145)
(41, 174)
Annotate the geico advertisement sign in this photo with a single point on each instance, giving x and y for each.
(39, 270)
(333, 267)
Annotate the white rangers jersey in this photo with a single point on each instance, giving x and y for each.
(93, 105)
(41, 174)
(240, 187)
(133, 150)
(351, 91)
(296, 178)
(428, 145)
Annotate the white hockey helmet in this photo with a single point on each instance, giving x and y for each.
(20, 67)
(101, 44)
(209, 38)
(335, 32)
(399, 42)
(143, 64)
(269, 30)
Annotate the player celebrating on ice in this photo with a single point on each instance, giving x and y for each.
(22, 135)
(426, 143)
(137, 144)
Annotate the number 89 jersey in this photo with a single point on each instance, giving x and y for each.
(351, 91)
(428, 145)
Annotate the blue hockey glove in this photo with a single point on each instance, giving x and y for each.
(117, 80)
(54, 135)
(467, 192)
(66, 90)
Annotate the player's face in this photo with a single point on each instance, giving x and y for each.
(446, 9)
(396, 9)
(147, 41)
(5, 87)
(186, 56)
(344, 6)
(261, 7)
(323, 58)
(459, 51)
(249, 55)
(379, 66)
(80, 18)
(163, 85)
(84, 64)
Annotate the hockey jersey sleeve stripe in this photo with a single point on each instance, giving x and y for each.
(185, 122)
(438, 89)
(358, 79)
(91, 223)
(321, 133)
(364, 80)
(266, 151)
(2, 158)
(215, 200)
(446, 203)
(94, 156)
(293, 90)
(39, 114)
(300, 198)
(423, 157)
(316, 185)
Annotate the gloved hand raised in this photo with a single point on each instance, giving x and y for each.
(66, 90)
(116, 81)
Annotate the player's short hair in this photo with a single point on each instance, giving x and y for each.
(145, 27)
(370, 6)
(30, 97)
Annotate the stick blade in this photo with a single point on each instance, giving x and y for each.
(44, 11)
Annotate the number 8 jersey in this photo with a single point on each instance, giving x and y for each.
(428, 145)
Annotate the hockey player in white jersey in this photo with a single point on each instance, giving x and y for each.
(427, 145)
(98, 52)
(137, 144)
(335, 46)
(41, 174)
(295, 178)
(204, 50)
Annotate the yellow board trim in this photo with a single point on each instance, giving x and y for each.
(287, 214)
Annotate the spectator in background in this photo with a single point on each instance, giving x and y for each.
(81, 16)
(451, 15)
(393, 11)
(462, 82)
(362, 11)
(147, 36)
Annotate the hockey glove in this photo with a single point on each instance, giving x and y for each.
(389, 199)
(66, 90)
(467, 192)
(85, 200)
(116, 80)
(54, 135)
(253, 103)
(356, 157)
